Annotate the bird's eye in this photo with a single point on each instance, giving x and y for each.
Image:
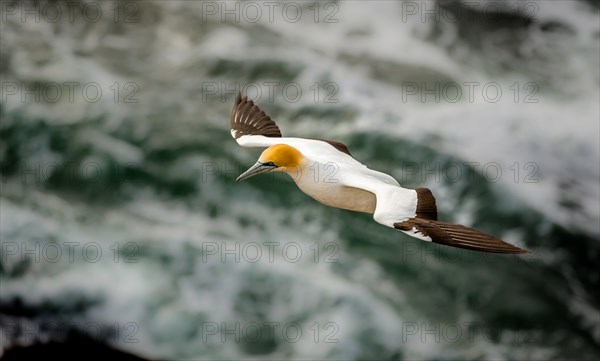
(270, 164)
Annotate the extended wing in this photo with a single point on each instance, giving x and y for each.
(414, 213)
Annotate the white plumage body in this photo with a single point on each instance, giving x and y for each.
(336, 179)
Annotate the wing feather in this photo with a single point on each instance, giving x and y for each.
(456, 235)
(247, 119)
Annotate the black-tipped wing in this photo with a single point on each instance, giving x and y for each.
(456, 235)
(248, 119)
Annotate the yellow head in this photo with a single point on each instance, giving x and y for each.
(282, 156)
(277, 158)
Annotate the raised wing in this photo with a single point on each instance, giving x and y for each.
(252, 127)
(247, 119)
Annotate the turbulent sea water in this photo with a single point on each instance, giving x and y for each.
(121, 219)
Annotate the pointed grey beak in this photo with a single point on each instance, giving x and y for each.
(257, 168)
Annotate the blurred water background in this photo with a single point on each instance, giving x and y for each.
(121, 220)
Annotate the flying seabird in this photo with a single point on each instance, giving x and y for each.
(326, 171)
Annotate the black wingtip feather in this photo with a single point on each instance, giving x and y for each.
(456, 235)
(248, 119)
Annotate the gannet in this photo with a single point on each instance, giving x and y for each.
(326, 171)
